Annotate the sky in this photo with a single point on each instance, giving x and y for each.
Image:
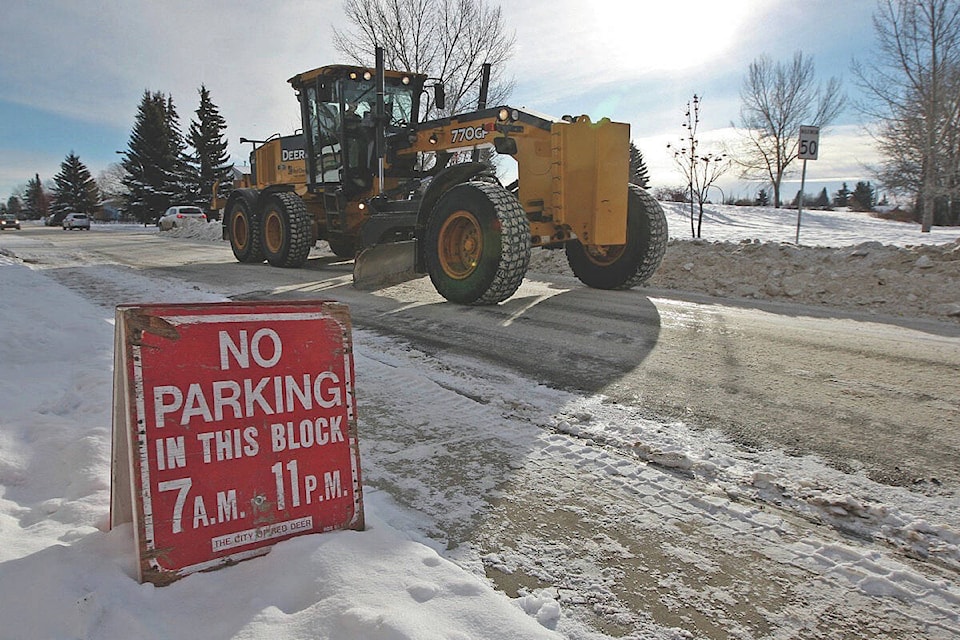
(72, 74)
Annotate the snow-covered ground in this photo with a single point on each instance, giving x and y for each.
(839, 228)
(63, 574)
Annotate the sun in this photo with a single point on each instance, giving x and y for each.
(670, 36)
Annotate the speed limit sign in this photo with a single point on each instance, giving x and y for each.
(809, 142)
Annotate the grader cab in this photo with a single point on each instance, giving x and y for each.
(404, 197)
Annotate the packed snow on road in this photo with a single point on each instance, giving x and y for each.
(469, 470)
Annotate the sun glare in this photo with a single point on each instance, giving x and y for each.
(669, 36)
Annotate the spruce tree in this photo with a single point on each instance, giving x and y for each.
(35, 199)
(75, 190)
(210, 161)
(178, 183)
(638, 168)
(842, 197)
(823, 200)
(863, 196)
(154, 160)
(14, 206)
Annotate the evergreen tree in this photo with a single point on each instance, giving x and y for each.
(823, 200)
(179, 179)
(35, 199)
(154, 161)
(763, 198)
(75, 190)
(14, 206)
(638, 168)
(210, 162)
(863, 197)
(842, 197)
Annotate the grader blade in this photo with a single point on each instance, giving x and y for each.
(384, 265)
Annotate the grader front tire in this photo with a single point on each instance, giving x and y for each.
(286, 229)
(629, 265)
(477, 244)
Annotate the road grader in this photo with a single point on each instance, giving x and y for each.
(404, 197)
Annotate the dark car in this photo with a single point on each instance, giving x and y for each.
(9, 221)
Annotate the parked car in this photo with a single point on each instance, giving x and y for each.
(76, 221)
(178, 216)
(9, 221)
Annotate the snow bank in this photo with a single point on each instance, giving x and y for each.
(63, 574)
(845, 260)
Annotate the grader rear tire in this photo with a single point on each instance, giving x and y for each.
(477, 244)
(629, 265)
(286, 230)
(243, 227)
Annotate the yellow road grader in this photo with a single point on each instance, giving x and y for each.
(404, 197)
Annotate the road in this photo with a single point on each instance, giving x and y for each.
(862, 395)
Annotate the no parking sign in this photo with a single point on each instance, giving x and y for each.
(234, 428)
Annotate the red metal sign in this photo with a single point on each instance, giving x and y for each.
(242, 429)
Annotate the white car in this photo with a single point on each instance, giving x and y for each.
(76, 221)
(179, 216)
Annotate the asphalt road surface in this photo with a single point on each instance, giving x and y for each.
(860, 392)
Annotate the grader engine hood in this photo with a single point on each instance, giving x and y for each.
(281, 160)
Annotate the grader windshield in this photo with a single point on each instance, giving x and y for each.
(341, 128)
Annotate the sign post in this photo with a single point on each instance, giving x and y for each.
(809, 149)
(234, 429)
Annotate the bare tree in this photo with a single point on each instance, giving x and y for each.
(913, 89)
(445, 39)
(776, 99)
(702, 170)
(110, 181)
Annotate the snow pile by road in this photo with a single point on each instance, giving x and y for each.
(64, 574)
(914, 281)
(845, 260)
